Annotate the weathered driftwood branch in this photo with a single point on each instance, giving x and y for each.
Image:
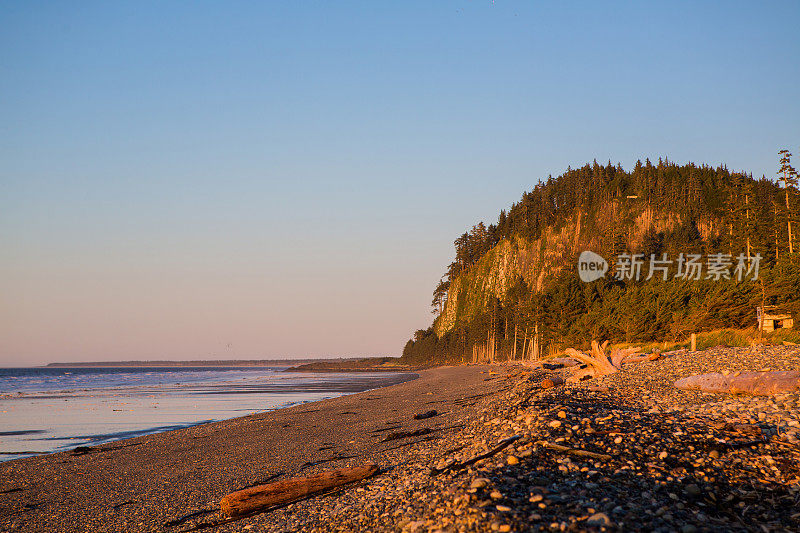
(655, 356)
(262, 497)
(625, 355)
(734, 427)
(743, 382)
(574, 451)
(598, 362)
(497, 449)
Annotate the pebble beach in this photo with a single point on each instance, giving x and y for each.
(622, 452)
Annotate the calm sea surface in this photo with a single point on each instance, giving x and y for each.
(54, 409)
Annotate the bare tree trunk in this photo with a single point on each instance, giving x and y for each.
(525, 344)
(788, 213)
(763, 302)
(505, 333)
(775, 225)
(747, 204)
(514, 356)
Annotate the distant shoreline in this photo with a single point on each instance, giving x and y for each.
(353, 364)
(343, 362)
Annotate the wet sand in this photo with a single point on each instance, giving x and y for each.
(142, 483)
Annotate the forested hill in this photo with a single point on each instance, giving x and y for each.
(514, 286)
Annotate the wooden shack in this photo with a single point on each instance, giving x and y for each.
(771, 318)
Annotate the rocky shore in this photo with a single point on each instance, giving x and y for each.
(622, 452)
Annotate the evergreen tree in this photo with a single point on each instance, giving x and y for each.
(789, 176)
(697, 209)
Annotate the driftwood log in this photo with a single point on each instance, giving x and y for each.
(774, 382)
(262, 497)
(654, 356)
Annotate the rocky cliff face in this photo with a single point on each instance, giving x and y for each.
(538, 260)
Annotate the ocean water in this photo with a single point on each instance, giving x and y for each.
(45, 410)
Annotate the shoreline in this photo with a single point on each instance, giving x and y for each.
(657, 459)
(199, 463)
(51, 421)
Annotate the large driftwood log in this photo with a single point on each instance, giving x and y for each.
(743, 382)
(262, 497)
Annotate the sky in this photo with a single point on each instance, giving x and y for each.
(191, 180)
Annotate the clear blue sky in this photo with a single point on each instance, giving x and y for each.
(231, 179)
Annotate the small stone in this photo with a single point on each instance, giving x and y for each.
(504, 528)
(688, 528)
(562, 414)
(496, 495)
(618, 440)
(714, 454)
(502, 508)
(693, 490)
(555, 424)
(662, 455)
(535, 498)
(598, 519)
(479, 483)
(512, 460)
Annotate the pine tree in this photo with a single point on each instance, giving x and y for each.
(789, 181)
(440, 296)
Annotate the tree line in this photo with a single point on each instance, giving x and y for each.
(719, 211)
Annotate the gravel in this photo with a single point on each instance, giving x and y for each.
(680, 460)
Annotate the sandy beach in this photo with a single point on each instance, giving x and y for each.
(139, 484)
(660, 459)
